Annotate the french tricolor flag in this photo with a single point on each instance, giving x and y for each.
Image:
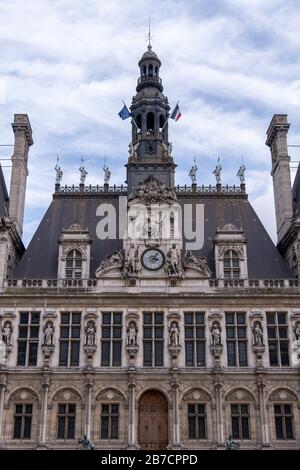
(175, 113)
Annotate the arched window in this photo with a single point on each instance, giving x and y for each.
(74, 265)
(139, 121)
(161, 121)
(156, 70)
(150, 70)
(150, 121)
(144, 70)
(231, 264)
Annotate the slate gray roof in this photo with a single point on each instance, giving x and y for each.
(3, 195)
(296, 193)
(41, 257)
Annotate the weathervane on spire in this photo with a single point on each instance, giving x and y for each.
(148, 36)
(83, 172)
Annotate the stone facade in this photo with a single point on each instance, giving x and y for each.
(145, 342)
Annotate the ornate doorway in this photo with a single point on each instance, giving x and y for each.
(153, 421)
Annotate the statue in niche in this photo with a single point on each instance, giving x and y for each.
(48, 334)
(90, 333)
(258, 335)
(7, 333)
(132, 334)
(174, 335)
(216, 339)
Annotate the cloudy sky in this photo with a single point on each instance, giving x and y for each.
(69, 63)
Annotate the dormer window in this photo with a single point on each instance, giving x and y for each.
(74, 253)
(74, 264)
(231, 262)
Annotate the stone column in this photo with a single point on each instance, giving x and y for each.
(219, 411)
(44, 409)
(88, 408)
(263, 413)
(175, 413)
(131, 416)
(2, 395)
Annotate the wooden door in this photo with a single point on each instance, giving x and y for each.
(153, 421)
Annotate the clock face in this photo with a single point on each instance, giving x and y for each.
(153, 259)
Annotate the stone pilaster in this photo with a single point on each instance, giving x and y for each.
(44, 409)
(218, 384)
(261, 384)
(132, 444)
(88, 407)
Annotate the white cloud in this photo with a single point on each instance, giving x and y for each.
(69, 64)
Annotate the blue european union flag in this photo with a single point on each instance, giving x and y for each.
(124, 113)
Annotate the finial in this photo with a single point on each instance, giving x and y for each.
(148, 36)
(58, 170)
(82, 171)
(107, 172)
(241, 172)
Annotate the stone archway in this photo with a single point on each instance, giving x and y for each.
(153, 421)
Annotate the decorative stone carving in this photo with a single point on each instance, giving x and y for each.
(59, 174)
(7, 331)
(132, 263)
(258, 335)
(107, 173)
(173, 263)
(152, 191)
(48, 334)
(193, 172)
(230, 228)
(174, 335)
(83, 172)
(217, 172)
(132, 334)
(132, 338)
(90, 341)
(216, 345)
(191, 261)
(111, 261)
(241, 173)
(232, 246)
(174, 342)
(296, 345)
(297, 330)
(48, 344)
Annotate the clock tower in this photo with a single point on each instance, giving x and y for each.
(150, 149)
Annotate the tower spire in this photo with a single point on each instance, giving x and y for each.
(149, 37)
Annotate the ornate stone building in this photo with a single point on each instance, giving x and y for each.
(150, 315)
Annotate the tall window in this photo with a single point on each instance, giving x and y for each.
(240, 421)
(231, 263)
(66, 421)
(194, 330)
(28, 338)
(74, 265)
(197, 421)
(236, 333)
(23, 421)
(111, 342)
(109, 421)
(153, 339)
(278, 338)
(69, 339)
(284, 421)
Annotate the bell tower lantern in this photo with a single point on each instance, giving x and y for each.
(150, 150)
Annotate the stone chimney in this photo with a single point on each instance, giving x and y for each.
(23, 140)
(277, 141)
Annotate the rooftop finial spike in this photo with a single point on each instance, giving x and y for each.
(149, 37)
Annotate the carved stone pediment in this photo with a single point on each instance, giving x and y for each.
(110, 395)
(198, 266)
(24, 394)
(282, 395)
(196, 395)
(239, 395)
(67, 394)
